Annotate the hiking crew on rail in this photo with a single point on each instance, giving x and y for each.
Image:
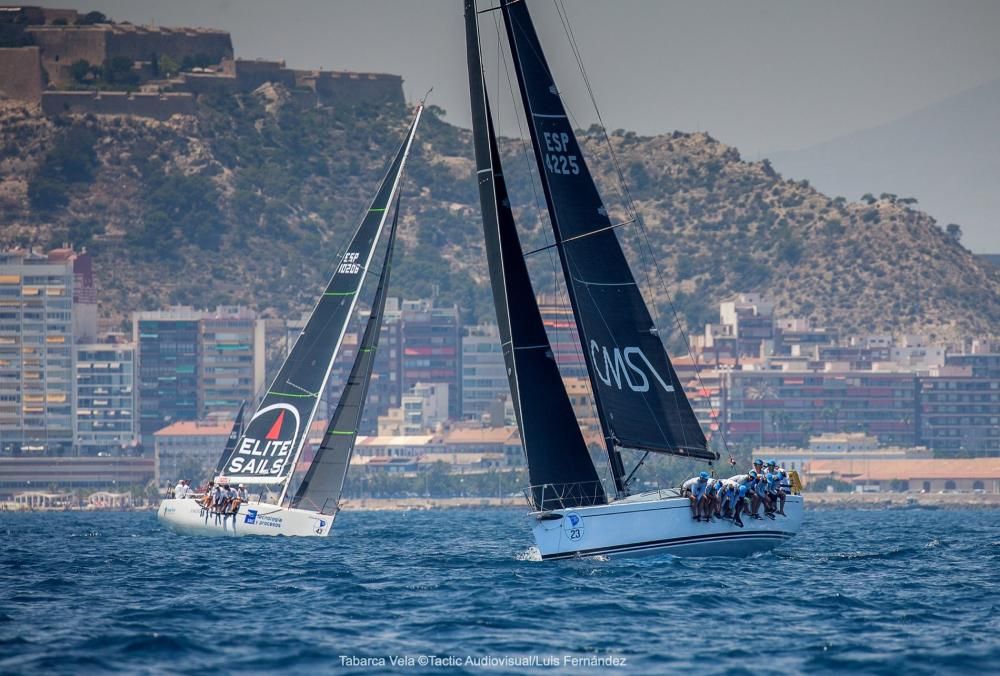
(729, 499)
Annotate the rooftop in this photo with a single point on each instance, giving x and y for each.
(907, 470)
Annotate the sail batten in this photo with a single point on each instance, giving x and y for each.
(639, 399)
(559, 463)
(323, 483)
(272, 442)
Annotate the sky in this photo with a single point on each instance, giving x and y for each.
(762, 75)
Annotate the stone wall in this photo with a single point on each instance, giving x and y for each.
(61, 46)
(21, 74)
(139, 43)
(158, 106)
(252, 74)
(338, 88)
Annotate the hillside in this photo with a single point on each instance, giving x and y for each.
(945, 155)
(248, 201)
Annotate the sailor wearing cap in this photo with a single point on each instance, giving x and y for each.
(695, 489)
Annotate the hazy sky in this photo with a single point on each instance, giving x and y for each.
(763, 75)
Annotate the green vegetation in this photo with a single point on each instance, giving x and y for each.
(91, 18)
(251, 201)
(68, 166)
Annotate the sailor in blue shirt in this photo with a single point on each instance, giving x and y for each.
(784, 487)
(738, 503)
(695, 490)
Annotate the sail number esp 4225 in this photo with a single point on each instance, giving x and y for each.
(557, 161)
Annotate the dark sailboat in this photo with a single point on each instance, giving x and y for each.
(640, 402)
(324, 480)
(269, 448)
(234, 436)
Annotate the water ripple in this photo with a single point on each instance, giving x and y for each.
(870, 591)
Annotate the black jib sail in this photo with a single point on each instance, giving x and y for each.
(234, 436)
(639, 398)
(559, 465)
(273, 440)
(324, 481)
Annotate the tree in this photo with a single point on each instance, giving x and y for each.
(119, 71)
(954, 231)
(91, 18)
(868, 198)
(80, 70)
(168, 66)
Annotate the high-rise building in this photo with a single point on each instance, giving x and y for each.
(37, 337)
(432, 349)
(959, 406)
(484, 373)
(560, 326)
(168, 368)
(194, 364)
(106, 421)
(772, 407)
(232, 360)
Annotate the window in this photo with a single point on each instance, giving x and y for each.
(978, 486)
(949, 485)
(927, 486)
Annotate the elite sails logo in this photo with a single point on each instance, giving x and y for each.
(618, 366)
(267, 456)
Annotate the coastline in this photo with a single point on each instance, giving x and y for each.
(813, 501)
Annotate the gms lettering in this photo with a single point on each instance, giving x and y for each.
(350, 265)
(618, 363)
(267, 456)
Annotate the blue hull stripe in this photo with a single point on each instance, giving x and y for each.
(672, 542)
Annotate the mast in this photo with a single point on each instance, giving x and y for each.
(273, 439)
(559, 463)
(377, 212)
(639, 399)
(323, 483)
(234, 437)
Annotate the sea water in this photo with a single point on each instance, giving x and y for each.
(910, 592)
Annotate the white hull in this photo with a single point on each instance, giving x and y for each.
(651, 524)
(187, 516)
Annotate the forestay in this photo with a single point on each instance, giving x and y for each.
(639, 398)
(558, 462)
(323, 483)
(269, 448)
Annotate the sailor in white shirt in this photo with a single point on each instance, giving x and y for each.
(179, 490)
(695, 490)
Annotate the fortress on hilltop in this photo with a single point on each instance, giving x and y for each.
(68, 62)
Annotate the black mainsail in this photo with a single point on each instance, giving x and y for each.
(323, 482)
(639, 398)
(272, 442)
(559, 465)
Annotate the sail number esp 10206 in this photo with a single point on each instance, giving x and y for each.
(350, 265)
(557, 160)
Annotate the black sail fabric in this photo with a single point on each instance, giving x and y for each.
(273, 439)
(323, 483)
(559, 466)
(640, 400)
(234, 436)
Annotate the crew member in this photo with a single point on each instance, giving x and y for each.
(695, 489)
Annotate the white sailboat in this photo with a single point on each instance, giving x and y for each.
(639, 400)
(264, 455)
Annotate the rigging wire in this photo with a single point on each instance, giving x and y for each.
(633, 213)
(560, 294)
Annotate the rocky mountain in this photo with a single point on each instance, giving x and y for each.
(248, 201)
